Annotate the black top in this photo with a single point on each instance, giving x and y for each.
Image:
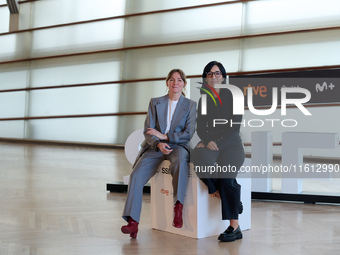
(205, 129)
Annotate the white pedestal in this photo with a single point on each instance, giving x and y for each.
(202, 213)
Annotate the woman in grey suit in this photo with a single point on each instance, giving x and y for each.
(168, 128)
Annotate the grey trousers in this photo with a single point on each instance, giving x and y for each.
(146, 167)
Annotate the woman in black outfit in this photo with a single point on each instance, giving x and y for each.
(220, 146)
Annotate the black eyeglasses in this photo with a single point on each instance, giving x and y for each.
(217, 74)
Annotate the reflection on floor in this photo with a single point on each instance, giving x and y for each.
(53, 200)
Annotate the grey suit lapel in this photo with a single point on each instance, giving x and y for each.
(181, 109)
(162, 112)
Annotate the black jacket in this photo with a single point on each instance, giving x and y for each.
(205, 129)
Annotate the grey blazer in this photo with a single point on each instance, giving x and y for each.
(182, 125)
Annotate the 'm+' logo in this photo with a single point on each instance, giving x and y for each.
(324, 86)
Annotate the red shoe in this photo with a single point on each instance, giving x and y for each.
(131, 228)
(178, 221)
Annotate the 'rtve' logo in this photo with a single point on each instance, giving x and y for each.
(238, 100)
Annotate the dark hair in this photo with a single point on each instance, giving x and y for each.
(181, 73)
(208, 68)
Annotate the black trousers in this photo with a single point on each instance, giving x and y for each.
(218, 170)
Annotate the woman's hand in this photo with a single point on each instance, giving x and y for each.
(159, 135)
(200, 145)
(212, 146)
(216, 194)
(164, 148)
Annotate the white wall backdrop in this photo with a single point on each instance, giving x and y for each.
(32, 59)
